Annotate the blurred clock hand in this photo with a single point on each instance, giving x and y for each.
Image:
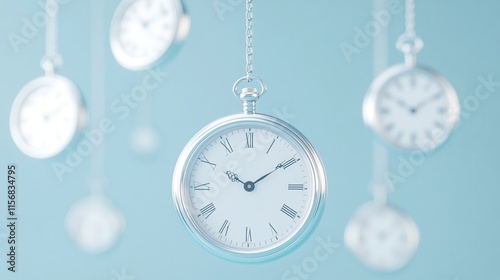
(425, 102)
(400, 102)
(52, 113)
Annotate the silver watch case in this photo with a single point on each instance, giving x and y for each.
(185, 163)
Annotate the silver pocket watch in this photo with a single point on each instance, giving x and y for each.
(249, 187)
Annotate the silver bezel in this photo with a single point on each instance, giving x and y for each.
(139, 63)
(352, 235)
(45, 81)
(370, 115)
(180, 185)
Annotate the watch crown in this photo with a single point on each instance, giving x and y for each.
(249, 96)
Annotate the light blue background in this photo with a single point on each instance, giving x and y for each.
(453, 196)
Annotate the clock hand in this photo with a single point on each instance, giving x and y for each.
(249, 186)
(262, 178)
(147, 22)
(233, 177)
(425, 102)
(55, 111)
(400, 102)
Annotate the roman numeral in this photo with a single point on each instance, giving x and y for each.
(205, 160)
(398, 84)
(413, 80)
(289, 211)
(273, 231)
(225, 227)
(439, 124)
(248, 234)
(389, 127)
(428, 85)
(438, 95)
(274, 140)
(428, 134)
(201, 187)
(384, 111)
(207, 210)
(295, 187)
(289, 162)
(413, 138)
(442, 110)
(249, 136)
(227, 145)
(398, 137)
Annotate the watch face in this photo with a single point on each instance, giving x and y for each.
(94, 224)
(411, 108)
(143, 30)
(382, 237)
(45, 116)
(249, 188)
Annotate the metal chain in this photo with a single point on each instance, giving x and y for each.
(52, 59)
(409, 43)
(410, 18)
(249, 39)
(249, 95)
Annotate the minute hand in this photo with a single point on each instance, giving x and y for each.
(428, 100)
(262, 178)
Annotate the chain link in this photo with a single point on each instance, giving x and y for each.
(249, 97)
(249, 38)
(410, 18)
(409, 43)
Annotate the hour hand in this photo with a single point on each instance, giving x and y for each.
(400, 102)
(233, 177)
(55, 111)
(427, 101)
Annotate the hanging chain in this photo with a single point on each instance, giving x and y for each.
(410, 18)
(51, 59)
(249, 38)
(249, 95)
(409, 43)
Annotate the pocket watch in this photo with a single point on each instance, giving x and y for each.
(411, 107)
(46, 115)
(94, 224)
(142, 31)
(249, 187)
(382, 237)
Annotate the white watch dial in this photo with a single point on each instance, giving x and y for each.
(250, 189)
(45, 116)
(382, 237)
(143, 30)
(411, 108)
